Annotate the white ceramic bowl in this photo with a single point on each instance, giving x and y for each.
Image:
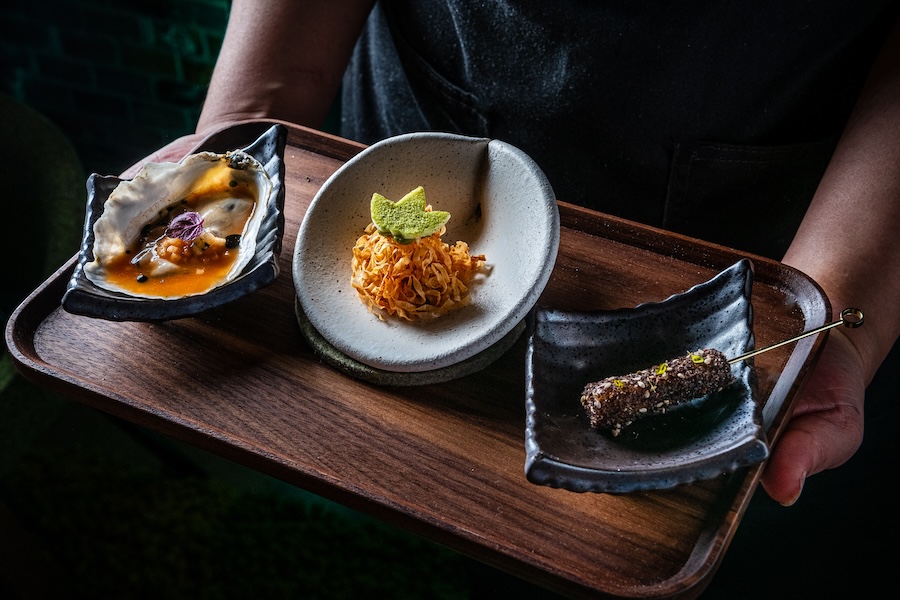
(501, 204)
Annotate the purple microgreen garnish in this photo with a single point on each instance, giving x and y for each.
(187, 226)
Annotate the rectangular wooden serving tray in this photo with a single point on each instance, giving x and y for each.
(444, 461)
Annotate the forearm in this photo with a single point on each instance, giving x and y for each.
(849, 241)
(282, 59)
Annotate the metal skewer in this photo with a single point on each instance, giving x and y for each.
(850, 317)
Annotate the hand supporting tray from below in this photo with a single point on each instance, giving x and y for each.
(445, 461)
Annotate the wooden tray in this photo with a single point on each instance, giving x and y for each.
(444, 461)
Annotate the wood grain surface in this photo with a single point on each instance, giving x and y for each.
(445, 461)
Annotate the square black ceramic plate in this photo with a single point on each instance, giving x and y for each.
(700, 440)
(83, 297)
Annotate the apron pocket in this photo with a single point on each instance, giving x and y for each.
(444, 105)
(748, 197)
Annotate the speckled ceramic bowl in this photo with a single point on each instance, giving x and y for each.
(700, 440)
(83, 297)
(501, 205)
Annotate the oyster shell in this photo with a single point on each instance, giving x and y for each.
(137, 249)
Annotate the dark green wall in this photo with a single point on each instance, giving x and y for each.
(119, 78)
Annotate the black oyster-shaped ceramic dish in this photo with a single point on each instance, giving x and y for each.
(700, 440)
(83, 297)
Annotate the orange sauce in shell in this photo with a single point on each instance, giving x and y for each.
(196, 275)
(192, 267)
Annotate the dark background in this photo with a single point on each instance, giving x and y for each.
(120, 79)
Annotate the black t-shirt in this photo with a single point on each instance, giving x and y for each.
(714, 119)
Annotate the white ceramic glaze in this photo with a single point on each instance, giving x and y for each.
(501, 205)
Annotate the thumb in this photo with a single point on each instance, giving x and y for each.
(826, 427)
(788, 467)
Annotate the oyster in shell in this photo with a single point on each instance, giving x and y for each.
(180, 229)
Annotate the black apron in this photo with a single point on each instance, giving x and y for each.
(713, 119)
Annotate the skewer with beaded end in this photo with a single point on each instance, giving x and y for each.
(616, 402)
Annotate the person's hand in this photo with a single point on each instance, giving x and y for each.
(826, 427)
(171, 152)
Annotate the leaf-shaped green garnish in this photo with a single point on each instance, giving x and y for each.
(406, 220)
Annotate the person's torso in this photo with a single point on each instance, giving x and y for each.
(687, 115)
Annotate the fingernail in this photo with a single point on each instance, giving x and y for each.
(797, 495)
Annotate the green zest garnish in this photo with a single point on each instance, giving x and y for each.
(696, 358)
(406, 220)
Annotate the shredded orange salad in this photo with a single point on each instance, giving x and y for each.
(422, 279)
